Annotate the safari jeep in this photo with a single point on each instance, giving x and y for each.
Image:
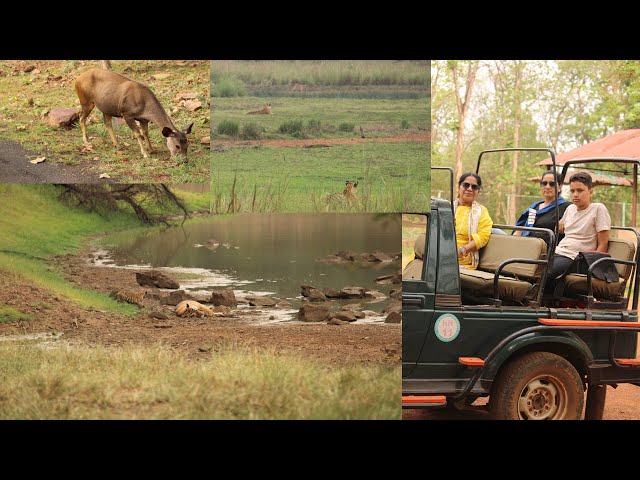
(494, 332)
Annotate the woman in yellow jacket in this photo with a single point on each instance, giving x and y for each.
(473, 222)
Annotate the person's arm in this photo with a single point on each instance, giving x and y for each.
(561, 226)
(603, 241)
(481, 238)
(517, 233)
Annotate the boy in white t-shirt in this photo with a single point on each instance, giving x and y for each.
(586, 226)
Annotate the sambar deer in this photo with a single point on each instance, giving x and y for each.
(118, 96)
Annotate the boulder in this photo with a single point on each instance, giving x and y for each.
(353, 292)
(345, 315)
(393, 317)
(332, 293)
(261, 301)
(335, 321)
(374, 294)
(381, 257)
(174, 298)
(394, 306)
(316, 295)
(313, 313)
(396, 294)
(225, 296)
(156, 279)
(393, 279)
(62, 117)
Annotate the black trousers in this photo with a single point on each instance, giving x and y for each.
(561, 265)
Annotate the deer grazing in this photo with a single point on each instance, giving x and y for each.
(118, 96)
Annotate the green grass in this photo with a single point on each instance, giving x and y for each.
(35, 226)
(10, 314)
(237, 382)
(28, 96)
(323, 72)
(392, 176)
(378, 118)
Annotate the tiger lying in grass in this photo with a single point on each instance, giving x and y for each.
(129, 296)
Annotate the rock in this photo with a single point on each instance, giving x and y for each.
(353, 292)
(162, 325)
(351, 306)
(192, 105)
(160, 76)
(205, 348)
(272, 317)
(345, 315)
(393, 317)
(184, 96)
(205, 140)
(174, 298)
(62, 117)
(335, 321)
(305, 289)
(394, 279)
(156, 279)
(316, 295)
(394, 306)
(261, 301)
(396, 294)
(30, 68)
(381, 257)
(313, 313)
(333, 293)
(374, 294)
(225, 296)
(284, 304)
(225, 310)
(158, 315)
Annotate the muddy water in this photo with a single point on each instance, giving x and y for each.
(269, 253)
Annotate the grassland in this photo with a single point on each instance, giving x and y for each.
(412, 227)
(331, 122)
(28, 96)
(156, 383)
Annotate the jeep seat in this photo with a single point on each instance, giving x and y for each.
(479, 282)
(620, 248)
(413, 270)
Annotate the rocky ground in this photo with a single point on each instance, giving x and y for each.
(346, 343)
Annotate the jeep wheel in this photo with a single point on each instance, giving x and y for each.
(537, 386)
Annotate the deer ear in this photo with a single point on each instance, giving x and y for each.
(188, 129)
(166, 131)
(347, 182)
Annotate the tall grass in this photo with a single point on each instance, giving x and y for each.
(237, 382)
(228, 87)
(323, 72)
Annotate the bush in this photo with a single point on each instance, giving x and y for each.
(250, 131)
(291, 127)
(228, 127)
(346, 127)
(229, 87)
(404, 124)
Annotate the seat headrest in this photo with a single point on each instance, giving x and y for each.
(419, 246)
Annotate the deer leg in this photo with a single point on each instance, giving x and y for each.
(108, 122)
(136, 133)
(144, 127)
(86, 111)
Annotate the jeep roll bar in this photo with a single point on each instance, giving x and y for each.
(536, 149)
(451, 182)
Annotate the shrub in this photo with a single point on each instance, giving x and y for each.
(346, 127)
(404, 124)
(228, 127)
(291, 127)
(250, 131)
(229, 87)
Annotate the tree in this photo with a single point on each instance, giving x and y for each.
(143, 199)
(463, 100)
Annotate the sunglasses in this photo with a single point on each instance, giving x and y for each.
(544, 183)
(473, 186)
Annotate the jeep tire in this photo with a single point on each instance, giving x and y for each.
(537, 386)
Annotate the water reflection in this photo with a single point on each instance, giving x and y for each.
(276, 252)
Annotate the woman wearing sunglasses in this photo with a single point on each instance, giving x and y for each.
(541, 214)
(473, 223)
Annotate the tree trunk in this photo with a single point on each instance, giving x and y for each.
(511, 216)
(106, 64)
(463, 106)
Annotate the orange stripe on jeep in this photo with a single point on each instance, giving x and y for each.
(586, 323)
(424, 399)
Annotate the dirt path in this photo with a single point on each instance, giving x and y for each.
(15, 168)
(324, 142)
(623, 403)
(360, 344)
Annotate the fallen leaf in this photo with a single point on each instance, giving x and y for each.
(205, 141)
(104, 175)
(96, 158)
(184, 96)
(161, 76)
(193, 105)
(38, 160)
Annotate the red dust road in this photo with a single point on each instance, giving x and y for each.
(623, 403)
